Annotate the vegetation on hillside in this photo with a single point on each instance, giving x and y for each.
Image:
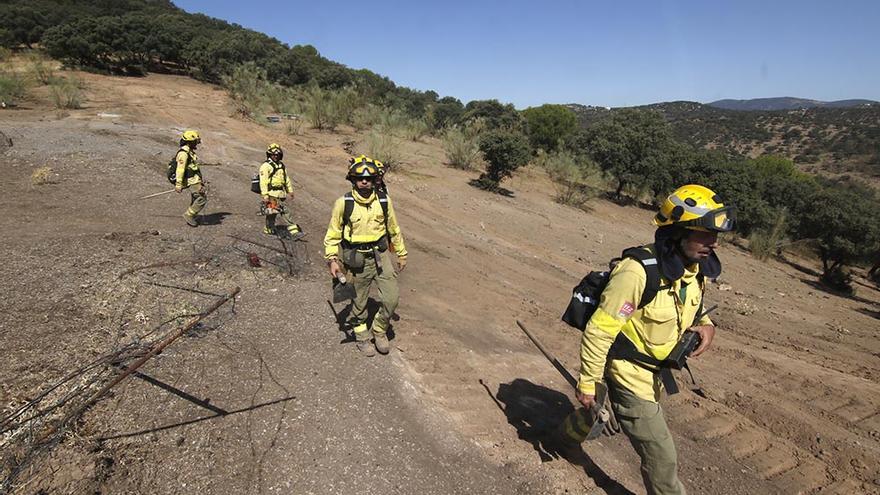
(747, 157)
(838, 139)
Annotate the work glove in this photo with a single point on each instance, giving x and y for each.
(401, 263)
(178, 188)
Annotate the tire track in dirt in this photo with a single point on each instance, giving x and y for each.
(774, 432)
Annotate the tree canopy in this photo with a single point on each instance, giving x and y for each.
(549, 125)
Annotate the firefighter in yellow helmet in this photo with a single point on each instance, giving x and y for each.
(625, 332)
(189, 176)
(275, 188)
(363, 229)
(380, 169)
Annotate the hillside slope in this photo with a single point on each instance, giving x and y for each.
(828, 141)
(462, 402)
(786, 103)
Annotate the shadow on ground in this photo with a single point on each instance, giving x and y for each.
(535, 411)
(213, 218)
(828, 290)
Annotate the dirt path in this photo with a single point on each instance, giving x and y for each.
(462, 402)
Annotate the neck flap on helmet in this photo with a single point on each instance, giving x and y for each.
(671, 264)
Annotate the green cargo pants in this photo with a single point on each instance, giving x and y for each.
(198, 199)
(285, 213)
(645, 426)
(389, 294)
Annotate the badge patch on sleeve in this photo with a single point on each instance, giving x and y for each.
(626, 310)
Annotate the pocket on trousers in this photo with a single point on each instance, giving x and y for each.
(643, 421)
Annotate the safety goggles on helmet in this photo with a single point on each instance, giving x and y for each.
(719, 220)
(362, 170)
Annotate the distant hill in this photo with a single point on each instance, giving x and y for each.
(824, 140)
(786, 103)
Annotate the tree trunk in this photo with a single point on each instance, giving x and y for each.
(824, 254)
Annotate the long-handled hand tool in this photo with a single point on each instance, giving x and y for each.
(157, 194)
(600, 416)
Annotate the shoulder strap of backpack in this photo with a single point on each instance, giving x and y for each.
(383, 202)
(275, 168)
(652, 272)
(346, 211)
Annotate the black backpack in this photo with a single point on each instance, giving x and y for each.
(586, 294)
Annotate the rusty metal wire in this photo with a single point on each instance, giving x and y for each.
(36, 427)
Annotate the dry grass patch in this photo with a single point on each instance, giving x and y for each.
(42, 176)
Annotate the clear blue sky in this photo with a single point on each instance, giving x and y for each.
(591, 52)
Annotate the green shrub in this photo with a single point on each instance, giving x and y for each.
(548, 125)
(66, 93)
(383, 146)
(346, 102)
(321, 108)
(13, 87)
(294, 127)
(462, 149)
(415, 130)
(362, 118)
(504, 152)
(280, 99)
(570, 175)
(42, 69)
(247, 87)
(764, 243)
(392, 121)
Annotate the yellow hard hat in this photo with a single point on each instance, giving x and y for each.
(190, 135)
(274, 149)
(696, 207)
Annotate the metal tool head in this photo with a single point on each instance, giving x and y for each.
(342, 290)
(599, 416)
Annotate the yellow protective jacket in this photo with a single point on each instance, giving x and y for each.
(277, 185)
(367, 225)
(654, 329)
(188, 172)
